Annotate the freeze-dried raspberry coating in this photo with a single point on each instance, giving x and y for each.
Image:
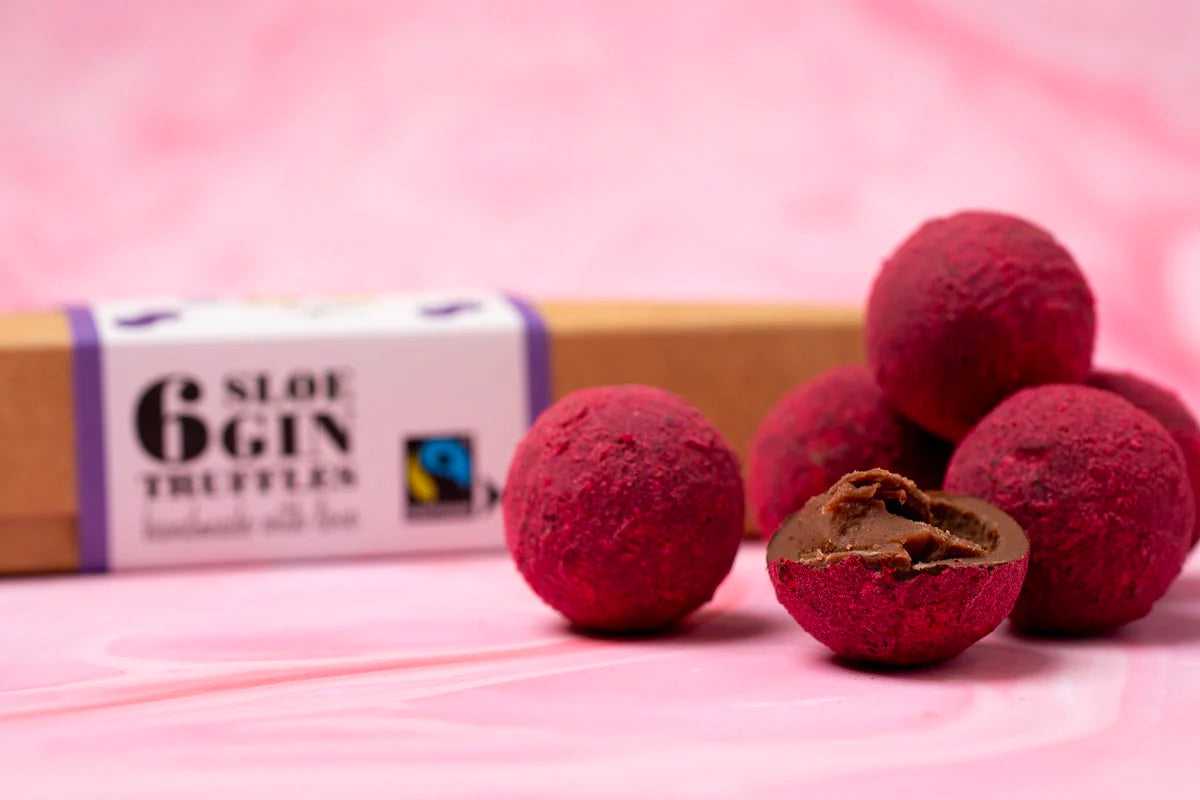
(836, 423)
(869, 615)
(970, 309)
(1101, 489)
(623, 508)
(1166, 407)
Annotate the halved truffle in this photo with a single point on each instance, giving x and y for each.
(878, 570)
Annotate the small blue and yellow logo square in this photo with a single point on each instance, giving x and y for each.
(439, 476)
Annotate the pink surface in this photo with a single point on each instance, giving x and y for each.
(448, 678)
(752, 149)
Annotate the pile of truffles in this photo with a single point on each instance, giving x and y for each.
(977, 468)
(980, 330)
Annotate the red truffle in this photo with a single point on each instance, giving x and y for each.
(836, 423)
(1102, 492)
(877, 570)
(970, 309)
(623, 508)
(1166, 407)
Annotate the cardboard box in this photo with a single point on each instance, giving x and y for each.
(107, 391)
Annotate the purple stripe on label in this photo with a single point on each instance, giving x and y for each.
(537, 357)
(89, 441)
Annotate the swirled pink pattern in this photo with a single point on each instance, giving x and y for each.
(447, 678)
(703, 149)
(731, 149)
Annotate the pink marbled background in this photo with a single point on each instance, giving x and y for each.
(752, 149)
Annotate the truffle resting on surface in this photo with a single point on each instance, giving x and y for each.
(623, 508)
(1102, 491)
(879, 571)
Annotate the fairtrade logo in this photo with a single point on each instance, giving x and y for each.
(440, 477)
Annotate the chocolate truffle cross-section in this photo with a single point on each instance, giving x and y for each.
(878, 570)
(886, 520)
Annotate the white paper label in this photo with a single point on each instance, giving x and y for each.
(239, 431)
